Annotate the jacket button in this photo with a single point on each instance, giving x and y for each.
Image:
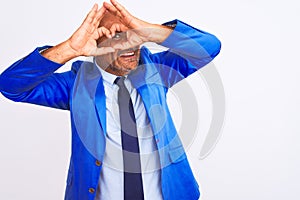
(91, 190)
(98, 163)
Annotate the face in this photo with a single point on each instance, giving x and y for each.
(120, 62)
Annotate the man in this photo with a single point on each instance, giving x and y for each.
(111, 158)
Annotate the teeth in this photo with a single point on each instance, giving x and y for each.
(128, 54)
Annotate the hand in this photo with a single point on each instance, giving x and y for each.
(122, 38)
(84, 40)
(146, 32)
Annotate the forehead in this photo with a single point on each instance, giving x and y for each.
(108, 20)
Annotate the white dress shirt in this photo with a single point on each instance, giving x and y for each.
(111, 183)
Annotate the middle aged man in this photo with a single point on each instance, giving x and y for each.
(120, 150)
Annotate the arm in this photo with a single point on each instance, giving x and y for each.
(32, 79)
(84, 40)
(189, 48)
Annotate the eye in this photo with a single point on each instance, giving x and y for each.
(117, 36)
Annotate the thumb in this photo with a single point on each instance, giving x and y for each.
(124, 45)
(102, 51)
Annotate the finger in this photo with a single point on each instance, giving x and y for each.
(120, 11)
(91, 15)
(120, 8)
(124, 45)
(117, 27)
(89, 23)
(104, 31)
(101, 12)
(102, 51)
(112, 9)
(99, 16)
(133, 41)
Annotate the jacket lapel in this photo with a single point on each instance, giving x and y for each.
(100, 103)
(88, 109)
(147, 80)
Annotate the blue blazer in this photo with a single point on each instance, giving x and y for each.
(80, 90)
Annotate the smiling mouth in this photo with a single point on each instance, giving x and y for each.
(128, 53)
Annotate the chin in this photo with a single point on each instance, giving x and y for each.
(127, 65)
(128, 68)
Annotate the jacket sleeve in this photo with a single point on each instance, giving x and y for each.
(32, 80)
(189, 49)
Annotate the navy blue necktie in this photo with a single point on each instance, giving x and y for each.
(133, 186)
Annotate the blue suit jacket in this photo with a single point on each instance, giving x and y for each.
(80, 90)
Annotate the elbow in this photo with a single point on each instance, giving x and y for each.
(13, 96)
(208, 51)
(6, 85)
(214, 46)
(9, 89)
(3, 84)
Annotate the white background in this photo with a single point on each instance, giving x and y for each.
(257, 156)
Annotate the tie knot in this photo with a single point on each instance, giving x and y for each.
(120, 81)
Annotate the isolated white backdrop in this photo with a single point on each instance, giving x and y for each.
(257, 155)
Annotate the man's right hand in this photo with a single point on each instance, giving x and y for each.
(83, 42)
